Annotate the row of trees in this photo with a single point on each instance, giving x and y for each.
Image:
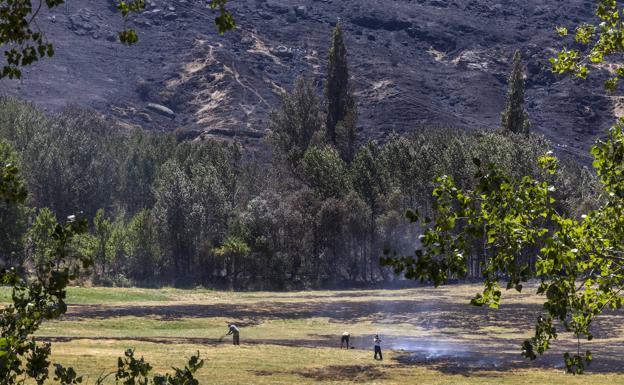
(197, 213)
(319, 213)
(40, 297)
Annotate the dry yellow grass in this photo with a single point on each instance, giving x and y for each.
(292, 338)
(271, 364)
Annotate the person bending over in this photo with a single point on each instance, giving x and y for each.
(345, 339)
(233, 330)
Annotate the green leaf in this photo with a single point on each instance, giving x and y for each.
(561, 31)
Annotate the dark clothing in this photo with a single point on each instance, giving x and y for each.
(378, 351)
(343, 340)
(235, 334)
(377, 342)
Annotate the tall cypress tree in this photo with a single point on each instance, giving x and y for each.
(515, 117)
(341, 110)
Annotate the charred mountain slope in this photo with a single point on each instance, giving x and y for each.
(413, 62)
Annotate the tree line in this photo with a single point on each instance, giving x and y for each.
(317, 213)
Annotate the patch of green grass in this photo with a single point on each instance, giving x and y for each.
(109, 295)
(97, 295)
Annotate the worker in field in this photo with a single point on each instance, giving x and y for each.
(377, 342)
(233, 330)
(345, 340)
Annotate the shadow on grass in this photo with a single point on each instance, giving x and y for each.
(318, 343)
(427, 314)
(350, 373)
(353, 373)
(478, 332)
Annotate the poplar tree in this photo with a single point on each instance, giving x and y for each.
(341, 110)
(515, 117)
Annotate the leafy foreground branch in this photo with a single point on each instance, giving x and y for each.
(42, 297)
(594, 43)
(513, 223)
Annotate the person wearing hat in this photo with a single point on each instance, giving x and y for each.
(233, 330)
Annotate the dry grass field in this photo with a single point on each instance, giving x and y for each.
(430, 336)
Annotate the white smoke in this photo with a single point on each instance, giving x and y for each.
(431, 350)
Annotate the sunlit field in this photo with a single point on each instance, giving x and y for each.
(430, 336)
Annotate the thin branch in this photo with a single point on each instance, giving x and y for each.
(34, 15)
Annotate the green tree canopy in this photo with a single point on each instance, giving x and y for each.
(341, 109)
(13, 213)
(324, 171)
(143, 251)
(297, 124)
(370, 179)
(39, 237)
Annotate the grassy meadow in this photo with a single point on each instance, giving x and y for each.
(430, 336)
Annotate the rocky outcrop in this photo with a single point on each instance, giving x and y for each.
(166, 111)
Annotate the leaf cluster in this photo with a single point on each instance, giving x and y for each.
(597, 43)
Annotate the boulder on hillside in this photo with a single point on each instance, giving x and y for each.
(301, 11)
(159, 108)
(277, 7)
(282, 52)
